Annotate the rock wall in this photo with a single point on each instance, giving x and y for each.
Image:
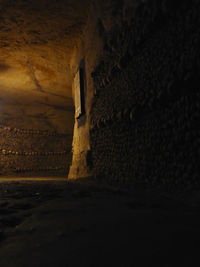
(87, 51)
(36, 42)
(146, 108)
(33, 152)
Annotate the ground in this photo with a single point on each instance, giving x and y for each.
(51, 223)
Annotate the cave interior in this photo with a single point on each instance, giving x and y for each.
(101, 100)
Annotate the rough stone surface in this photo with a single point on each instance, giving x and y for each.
(37, 39)
(37, 42)
(145, 114)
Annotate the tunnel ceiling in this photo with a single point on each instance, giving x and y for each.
(37, 39)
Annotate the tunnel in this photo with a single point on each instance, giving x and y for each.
(99, 133)
(37, 43)
(100, 89)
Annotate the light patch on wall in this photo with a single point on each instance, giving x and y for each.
(77, 94)
(79, 88)
(16, 78)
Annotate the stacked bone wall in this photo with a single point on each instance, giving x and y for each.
(33, 152)
(146, 109)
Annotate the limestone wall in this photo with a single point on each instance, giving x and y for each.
(102, 15)
(87, 52)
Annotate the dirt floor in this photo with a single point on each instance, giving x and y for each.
(52, 223)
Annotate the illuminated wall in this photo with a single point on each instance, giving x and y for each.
(85, 56)
(34, 97)
(37, 40)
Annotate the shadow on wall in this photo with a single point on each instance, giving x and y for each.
(3, 67)
(145, 113)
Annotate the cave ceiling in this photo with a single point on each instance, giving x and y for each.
(37, 39)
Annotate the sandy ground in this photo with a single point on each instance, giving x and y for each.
(52, 223)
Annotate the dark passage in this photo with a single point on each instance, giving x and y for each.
(99, 133)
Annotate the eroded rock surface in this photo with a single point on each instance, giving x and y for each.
(37, 39)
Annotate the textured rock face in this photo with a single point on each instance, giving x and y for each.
(37, 42)
(142, 66)
(37, 39)
(145, 113)
(103, 17)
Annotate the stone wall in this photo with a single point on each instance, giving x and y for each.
(87, 51)
(33, 152)
(146, 110)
